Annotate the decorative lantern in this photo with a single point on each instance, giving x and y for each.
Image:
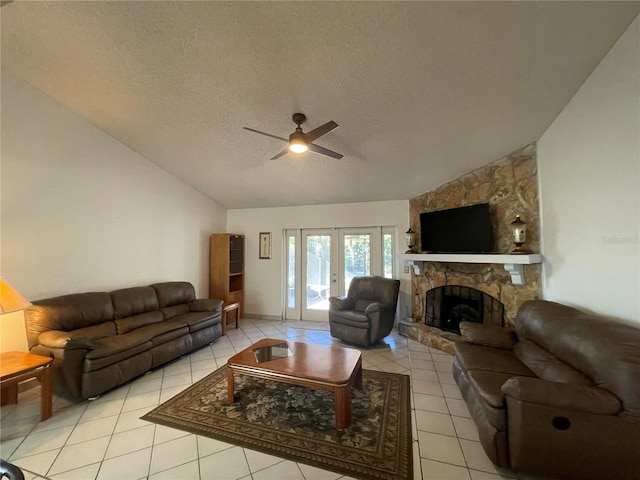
(410, 237)
(519, 232)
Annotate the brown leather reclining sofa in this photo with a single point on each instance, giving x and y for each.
(101, 340)
(560, 397)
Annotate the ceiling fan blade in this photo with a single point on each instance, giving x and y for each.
(320, 131)
(266, 134)
(283, 152)
(324, 151)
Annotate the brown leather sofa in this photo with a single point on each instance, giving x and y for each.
(101, 340)
(366, 315)
(560, 397)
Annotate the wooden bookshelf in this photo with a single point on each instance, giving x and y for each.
(226, 273)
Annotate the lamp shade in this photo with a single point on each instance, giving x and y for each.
(10, 300)
(298, 142)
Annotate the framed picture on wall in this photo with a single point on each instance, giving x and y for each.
(265, 245)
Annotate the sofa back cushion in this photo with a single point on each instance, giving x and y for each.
(134, 301)
(67, 313)
(174, 293)
(605, 351)
(362, 304)
(547, 366)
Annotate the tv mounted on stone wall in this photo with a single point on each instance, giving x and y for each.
(457, 230)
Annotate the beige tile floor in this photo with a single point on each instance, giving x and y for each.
(104, 439)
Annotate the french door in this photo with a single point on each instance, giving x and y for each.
(321, 263)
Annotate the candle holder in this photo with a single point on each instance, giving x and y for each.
(410, 238)
(519, 233)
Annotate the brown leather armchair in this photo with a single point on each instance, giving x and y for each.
(366, 315)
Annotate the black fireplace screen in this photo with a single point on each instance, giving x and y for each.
(449, 305)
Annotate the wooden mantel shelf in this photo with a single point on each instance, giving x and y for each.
(512, 263)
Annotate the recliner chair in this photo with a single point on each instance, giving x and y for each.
(366, 315)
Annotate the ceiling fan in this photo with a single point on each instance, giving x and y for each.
(300, 142)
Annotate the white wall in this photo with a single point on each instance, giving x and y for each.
(82, 212)
(589, 172)
(263, 278)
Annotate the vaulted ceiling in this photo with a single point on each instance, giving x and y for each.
(423, 91)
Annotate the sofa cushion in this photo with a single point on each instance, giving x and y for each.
(174, 293)
(491, 422)
(68, 312)
(488, 385)
(107, 346)
(112, 350)
(161, 332)
(478, 357)
(605, 351)
(546, 366)
(125, 325)
(174, 311)
(133, 301)
(198, 320)
(353, 318)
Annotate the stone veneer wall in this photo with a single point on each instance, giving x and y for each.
(510, 186)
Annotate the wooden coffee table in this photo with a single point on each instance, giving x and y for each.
(332, 368)
(16, 367)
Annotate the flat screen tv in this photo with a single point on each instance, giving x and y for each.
(457, 230)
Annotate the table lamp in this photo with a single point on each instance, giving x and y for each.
(10, 300)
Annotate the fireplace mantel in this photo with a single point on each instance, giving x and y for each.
(512, 263)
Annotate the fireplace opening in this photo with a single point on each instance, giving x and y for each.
(447, 306)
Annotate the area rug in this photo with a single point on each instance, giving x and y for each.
(297, 423)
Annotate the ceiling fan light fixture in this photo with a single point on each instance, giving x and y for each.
(298, 142)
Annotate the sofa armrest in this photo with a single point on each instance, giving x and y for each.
(62, 339)
(379, 307)
(75, 353)
(54, 338)
(79, 343)
(341, 303)
(488, 335)
(568, 396)
(206, 305)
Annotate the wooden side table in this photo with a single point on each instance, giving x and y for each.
(227, 310)
(16, 367)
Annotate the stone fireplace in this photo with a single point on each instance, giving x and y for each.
(509, 185)
(449, 305)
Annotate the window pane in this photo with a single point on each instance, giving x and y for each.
(291, 302)
(357, 257)
(387, 253)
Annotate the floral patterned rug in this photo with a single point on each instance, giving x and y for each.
(297, 423)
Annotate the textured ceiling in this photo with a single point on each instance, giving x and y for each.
(423, 91)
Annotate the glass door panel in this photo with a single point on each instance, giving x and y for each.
(357, 257)
(317, 261)
(291, 271)
(292, 283)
